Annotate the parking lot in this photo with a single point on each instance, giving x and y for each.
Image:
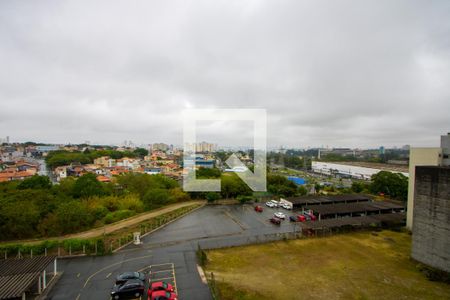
(168, 253)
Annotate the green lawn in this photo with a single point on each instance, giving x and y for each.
(351, 266)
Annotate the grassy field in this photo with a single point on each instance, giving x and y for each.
(351, 266)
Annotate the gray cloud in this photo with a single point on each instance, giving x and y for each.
(338, 73)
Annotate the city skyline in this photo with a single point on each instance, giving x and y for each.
(214, 145)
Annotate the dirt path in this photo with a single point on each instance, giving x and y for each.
(115, 226)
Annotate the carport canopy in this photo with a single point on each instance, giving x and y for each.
(17, 276)
(364, 207)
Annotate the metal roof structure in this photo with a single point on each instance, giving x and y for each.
(347, 208)
(18, 275)
(332, 199)
(355, 221)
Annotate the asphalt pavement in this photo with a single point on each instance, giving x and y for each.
(175, 245)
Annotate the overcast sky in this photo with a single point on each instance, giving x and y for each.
(336, 73)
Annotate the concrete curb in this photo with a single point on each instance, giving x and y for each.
(50, 285)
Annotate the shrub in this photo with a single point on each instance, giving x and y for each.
(118, 215)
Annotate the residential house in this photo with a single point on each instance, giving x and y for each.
(61, 173)
(105, 161)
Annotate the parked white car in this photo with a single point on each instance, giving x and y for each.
(280, 215)
(272, 203)
(285, 206)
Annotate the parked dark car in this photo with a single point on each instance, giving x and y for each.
(129, 275)
(130, 289)
(275, 221)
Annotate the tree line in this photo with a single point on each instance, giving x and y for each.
(290, 159)
(394, 185)
(232, 187)
(36, 208)
(63, 157)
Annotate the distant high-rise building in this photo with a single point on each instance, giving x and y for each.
(160, 147)
(202, 147)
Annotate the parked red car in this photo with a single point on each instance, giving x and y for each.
(312, 216)
(159, 286)
(298, 218)
(275, 221)
(163, 295)
(259, 208)
(301, 218)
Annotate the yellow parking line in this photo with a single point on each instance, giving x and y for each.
(174, 279)
(158, 265)
(162, 271)
(165, 278)
(169, 269)
(141, 270)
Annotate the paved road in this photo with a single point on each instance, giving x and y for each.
(209, 227)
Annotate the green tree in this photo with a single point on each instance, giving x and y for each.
(18, 219)
(232, 186)
(65, 186)
(359, 187)
(140, 152)
(61, 158)
(392, 184)
(141, 183)
(87, 186)
(302, 191)
(71, 217)
(318, 187)
(36, 182)
(206, 173)
(244, 199)
(222, 155)
(281, 186)
(155, 198)
(178, 194)
(212, 196)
